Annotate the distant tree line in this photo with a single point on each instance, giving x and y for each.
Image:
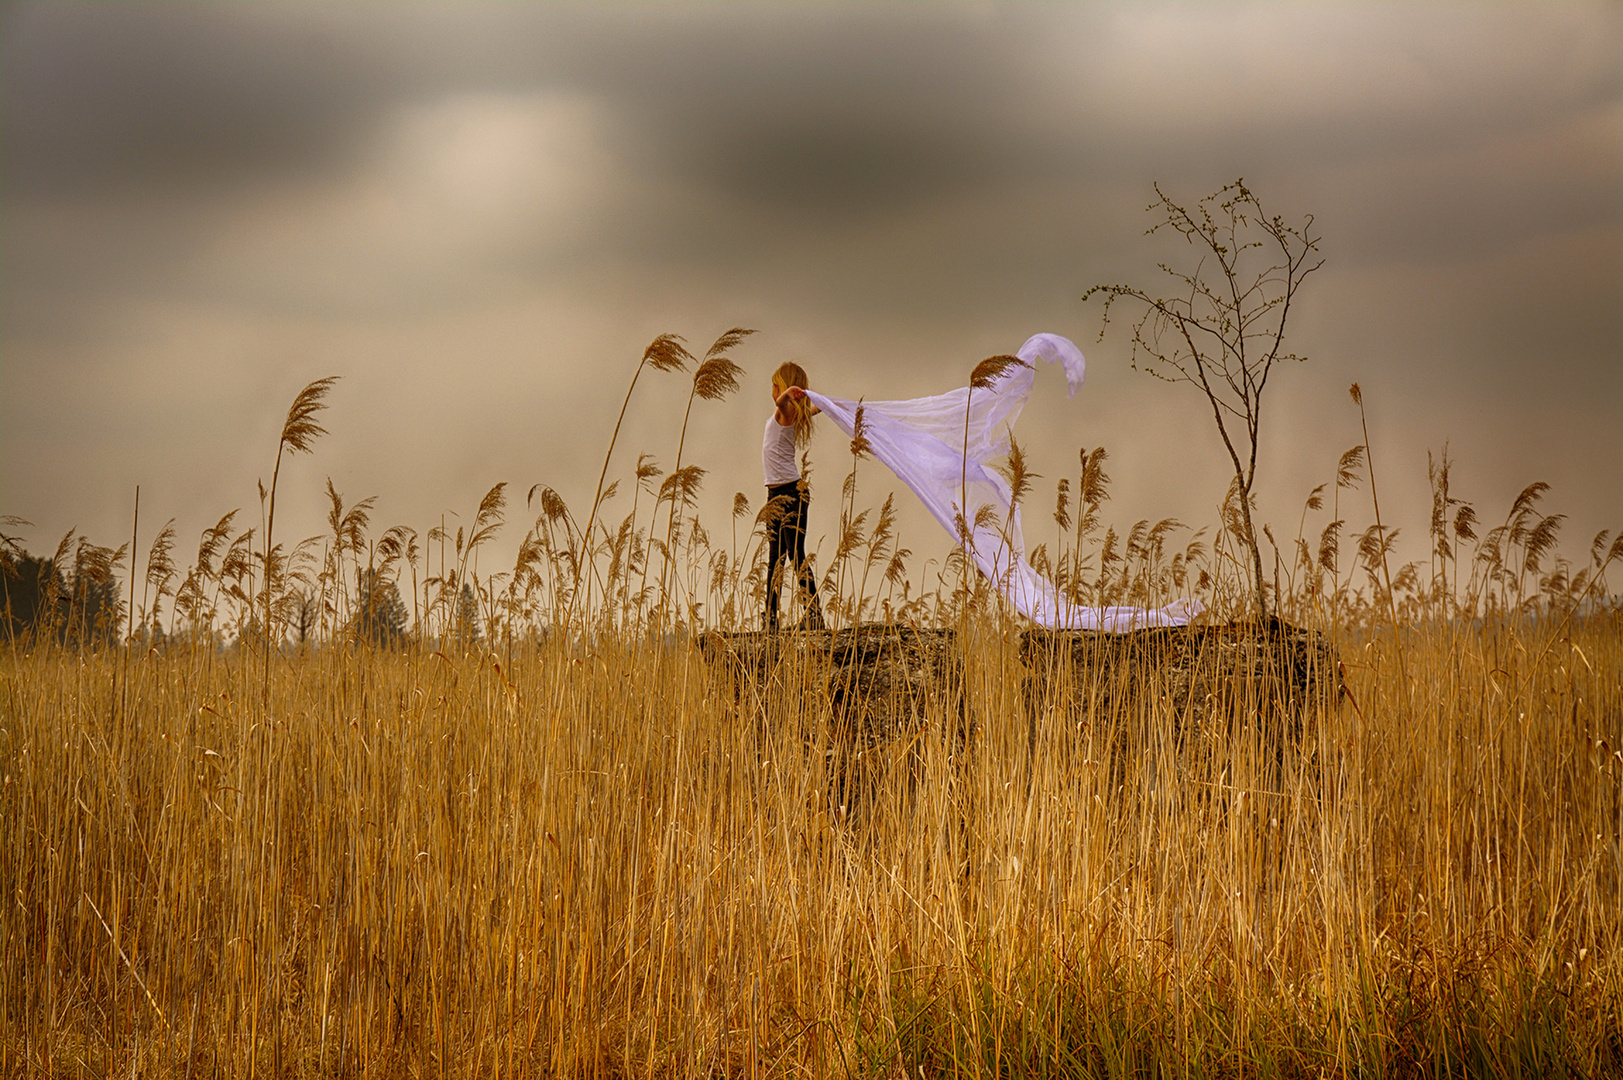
(76, 600)
(71, 598)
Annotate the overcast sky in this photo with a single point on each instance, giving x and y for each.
(479, 215)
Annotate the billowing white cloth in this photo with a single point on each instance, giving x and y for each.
(923, 441)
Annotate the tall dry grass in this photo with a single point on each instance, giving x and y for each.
(591, 861)
(548, 853)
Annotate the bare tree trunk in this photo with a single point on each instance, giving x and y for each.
(1259, 595)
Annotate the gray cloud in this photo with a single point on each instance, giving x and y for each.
(125, 94)
(780, 102)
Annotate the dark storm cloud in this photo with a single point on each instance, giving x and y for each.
(842, 115)
(109, 95)
(848, 112)
(1437, 136)
(827, 107)
(839, 110)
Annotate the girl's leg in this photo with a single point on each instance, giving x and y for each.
(778, 546)
(803, 571)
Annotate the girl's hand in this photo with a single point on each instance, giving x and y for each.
(792, 393)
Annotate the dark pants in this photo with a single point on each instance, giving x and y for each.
(786, 536)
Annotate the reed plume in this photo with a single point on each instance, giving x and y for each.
(667, 352)
(191, 600)
(11, 547)
(487, 521)
(716, 377)
(983, 376)
(299, 431)
(160, 575)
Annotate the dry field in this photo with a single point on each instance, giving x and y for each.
(585, 851)
(591, 861)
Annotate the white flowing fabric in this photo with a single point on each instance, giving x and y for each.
(923, 441)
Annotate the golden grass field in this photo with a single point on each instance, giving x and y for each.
(570, 848)
(588, 861)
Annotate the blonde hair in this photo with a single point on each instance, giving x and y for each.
(790, 374)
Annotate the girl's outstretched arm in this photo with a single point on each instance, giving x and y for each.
(797, 394)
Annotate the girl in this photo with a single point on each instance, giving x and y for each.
(787, 495)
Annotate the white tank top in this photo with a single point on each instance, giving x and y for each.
(778, 453)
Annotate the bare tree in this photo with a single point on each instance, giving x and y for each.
(1223, 328)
